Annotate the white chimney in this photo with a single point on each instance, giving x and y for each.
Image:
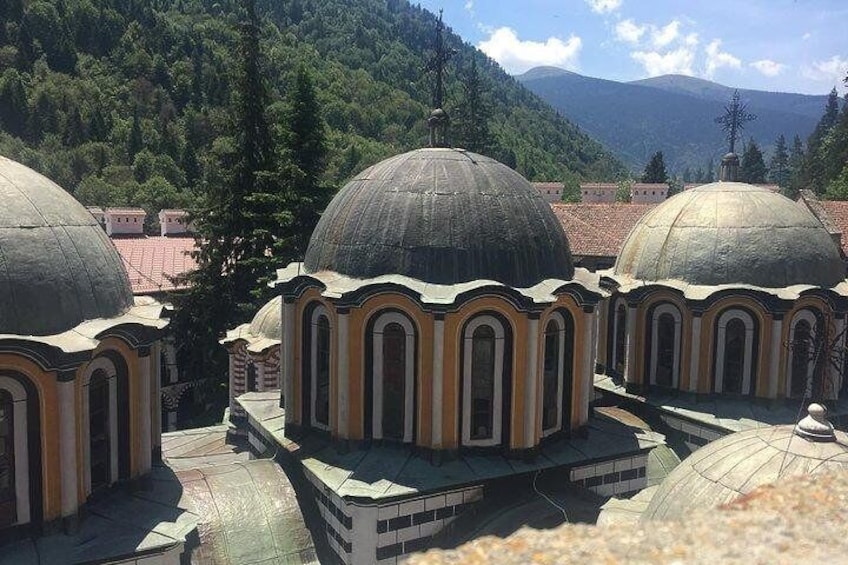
(124, 221)
(173, 222)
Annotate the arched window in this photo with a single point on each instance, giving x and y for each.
(556, 373)
(802, 336)
(99, 428)
(736, 352)
(619, 338)
(320, 369)
(250, 381)
(665, 346)
(483, 375)
(8, 496)
(393, 377)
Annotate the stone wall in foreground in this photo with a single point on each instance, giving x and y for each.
(800, 520)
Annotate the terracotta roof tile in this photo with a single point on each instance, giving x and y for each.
(837, 212)
(150, 261)
(598, 229)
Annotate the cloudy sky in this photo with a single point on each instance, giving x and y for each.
(778, 45)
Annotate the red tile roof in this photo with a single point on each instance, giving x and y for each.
(149, 261)
(598, 229)
(837, 212)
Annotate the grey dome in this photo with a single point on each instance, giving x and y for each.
(57, 266)
(442, 216)
(268, 322)
(731, 233)
(737, 464)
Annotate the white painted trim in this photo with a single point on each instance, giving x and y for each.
(21, 447)
(144, 440)
(590, 322)
(497, 400)
(531, 383)
(695, 357)
(810, 318)
(105, 364)
(721, 335)
(342, 380)
(319, 311)
(559, 321)
(666, 308)
(382, 321)
(619, 303)
(774, 359)
(287, 361)
(68, 446)
(630, 349)
(438, 382)
(233, 392)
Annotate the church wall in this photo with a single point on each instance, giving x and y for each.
(806, 302)
(310, 296)
(642, 331)
(45, 383)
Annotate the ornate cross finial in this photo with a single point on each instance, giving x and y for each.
(734, 119)
(441, 56)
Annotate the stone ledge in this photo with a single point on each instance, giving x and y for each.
(800, 520)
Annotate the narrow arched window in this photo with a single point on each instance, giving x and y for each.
(250, 382)
(321, 371)
(801, 347)
(483, 383)
(483, 403)
(734, 356)
(389, 415)
(620, 338)
(665, 350)
(8, 495)
(552, 376)
(99, 430)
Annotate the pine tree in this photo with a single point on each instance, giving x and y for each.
(779, 163)
(473, 124)
(796, 166)
(814, 172)
(308, 149)
(655, 169)
(135, 143)
(752, 168)
(13, 103)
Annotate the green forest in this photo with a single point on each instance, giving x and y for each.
(127, 102)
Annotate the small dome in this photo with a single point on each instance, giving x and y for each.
(57, 266)
(736, 464)
(442, 216)
(268, 322)
(731, 233)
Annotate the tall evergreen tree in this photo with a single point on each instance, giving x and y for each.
(779, 163)
(655, 169)
(796, 166)
(472, 130)
(135, 143)
(814, 172)
(752, 167)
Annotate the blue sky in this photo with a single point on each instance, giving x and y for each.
(777, 45)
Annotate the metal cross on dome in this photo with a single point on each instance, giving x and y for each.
(437, 63)
(734, 119)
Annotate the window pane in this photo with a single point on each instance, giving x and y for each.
(620, 337)
(734, 356)
(482, 382)
(665, 350)
(322, 389)
(7, 461)
(551, 376)
(801, 350)
(394, 377)
(98, 421)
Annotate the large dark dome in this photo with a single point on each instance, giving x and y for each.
(731, 233)
(57, 267)
(442, 216)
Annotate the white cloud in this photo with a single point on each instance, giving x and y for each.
(768, 67)
(666, 34)
(469, 5)
(678, 61)
(691, 40)
(830, 72)
(604, 6)
(806, 36)
(516, 56)
(717, 58)
(628, 31)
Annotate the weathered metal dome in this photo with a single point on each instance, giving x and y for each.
(442, 216)
(736, 464)
(57, 266)
(731, 233)
(268, 322)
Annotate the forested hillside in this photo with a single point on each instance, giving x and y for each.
(123, 101)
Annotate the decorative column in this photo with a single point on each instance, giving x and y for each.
(68, 443)
(231, 357)
(342, 374)
(438, 374)
(156, 402)
(260, 375)
(630, 377)
(287, 361)
(776, 352)
(588, 359)
(695, 353)
(144, 440)
(531, 380)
